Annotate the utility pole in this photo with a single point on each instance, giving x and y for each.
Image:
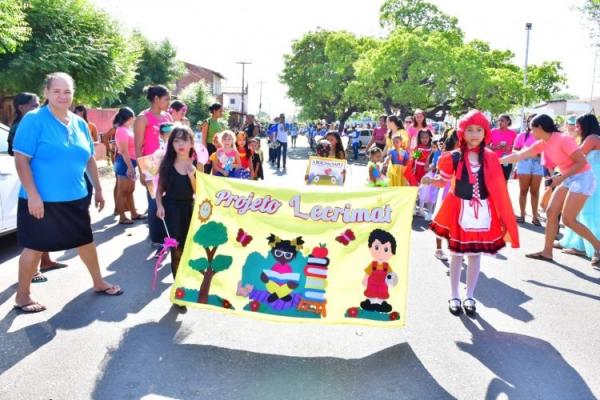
(528, 26)
(593, 81)
(260, 96)
(244, 63)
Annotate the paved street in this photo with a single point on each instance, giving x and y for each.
(537, 335)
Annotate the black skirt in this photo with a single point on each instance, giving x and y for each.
(66, 225)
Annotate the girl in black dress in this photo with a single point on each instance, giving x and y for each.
(256, 167)
(176, 188)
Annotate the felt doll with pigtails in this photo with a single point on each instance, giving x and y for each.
(281, 280)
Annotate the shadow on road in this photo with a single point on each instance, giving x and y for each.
(575, 292)
(526, 367)
(152, 360)
(84, 309)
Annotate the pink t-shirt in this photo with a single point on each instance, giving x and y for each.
(521, 141)
(379, 134)
(506, 137)
(152, 133)
(126, 135)
(556, 152)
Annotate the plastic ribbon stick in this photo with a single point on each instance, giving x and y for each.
(169, 243)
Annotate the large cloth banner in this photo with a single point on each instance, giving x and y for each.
(313, 254)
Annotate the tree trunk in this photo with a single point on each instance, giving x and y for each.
(387, 106)
(205, 287)
(344, 117)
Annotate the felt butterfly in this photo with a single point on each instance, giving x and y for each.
(243, 238)
(346, 237)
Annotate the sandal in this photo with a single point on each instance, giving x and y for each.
(536, 222)
(539, 256)
(596, 258)
(39, 278)
(520, 220)
(573, 252)
(125, 222)
(139, 217)
(30, 308)
(54, 266)
(110, 291)
(469, 306)
(454, 306)
(557, 245)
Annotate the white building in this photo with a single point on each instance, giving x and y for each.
(232, 101)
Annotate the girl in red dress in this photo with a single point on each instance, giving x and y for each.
(477, 215)
(418, 164)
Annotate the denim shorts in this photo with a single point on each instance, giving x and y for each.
(120, 166)
(582, 183)
(530, 166)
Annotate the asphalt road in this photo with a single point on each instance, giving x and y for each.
(537, 335)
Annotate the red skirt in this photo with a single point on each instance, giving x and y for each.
(469, 227)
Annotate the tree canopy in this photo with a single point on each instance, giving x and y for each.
(74, 37)
(198, 98)
(14, 30)
(423, 62)
(157, 65)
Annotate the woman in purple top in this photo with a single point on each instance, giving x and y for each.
(379, 134)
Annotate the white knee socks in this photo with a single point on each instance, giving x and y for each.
(472, 274)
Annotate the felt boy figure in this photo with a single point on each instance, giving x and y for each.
(378, 274)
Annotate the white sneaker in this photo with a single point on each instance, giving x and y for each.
(428, 216)
(440, 255)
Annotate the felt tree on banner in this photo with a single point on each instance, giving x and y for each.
(210, 236)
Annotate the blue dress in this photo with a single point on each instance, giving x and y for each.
(589, 215)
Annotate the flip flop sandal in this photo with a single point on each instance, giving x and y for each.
(539, 256)
(126, 222)
(573, 252)
(54, 266)
(24, 310)
(106, 292)
(536, 222)
(596, 258)
(39, 278)
(520, 220)
(139, 217)
(557, 245)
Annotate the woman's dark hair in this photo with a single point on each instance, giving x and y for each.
(506, 117)
(81, 109)
(339, 147)
(154, 91)
(397, 121)
(22, 99)
(589, 125)
(427, 132)
(246, 143)
(122, 116)
(545, 122)
(414, 120)
(214, 107)
(168, 161)
(177, 105)
(528, 125)
(451, 141)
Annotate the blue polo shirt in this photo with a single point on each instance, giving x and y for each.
(59, 154)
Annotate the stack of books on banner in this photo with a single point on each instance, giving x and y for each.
(316, 279)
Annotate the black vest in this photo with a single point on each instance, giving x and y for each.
(463, 188)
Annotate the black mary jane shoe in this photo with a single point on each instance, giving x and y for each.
(469, 306)
(454, 306)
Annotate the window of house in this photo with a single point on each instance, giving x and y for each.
(232, 102)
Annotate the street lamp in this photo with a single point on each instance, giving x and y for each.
(244, 63)
(528, 26)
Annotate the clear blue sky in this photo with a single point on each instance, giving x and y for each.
(217, 34)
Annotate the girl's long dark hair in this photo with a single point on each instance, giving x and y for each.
(397, 121)
(426, 131)
(21, 99)
(528, 127)
(81, 109)
(168, 161)
(589, 125)
(545, 122)
(339, 147)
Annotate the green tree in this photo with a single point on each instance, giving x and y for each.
(74, 37)
(158, 65)
(318, 71)
(198, 98)
(210, 236)
(591, 11)
(14, 30)
(411, 15)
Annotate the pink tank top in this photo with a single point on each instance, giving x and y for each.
(152, 133)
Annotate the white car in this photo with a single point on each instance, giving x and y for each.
(365, 137)
(9, 186)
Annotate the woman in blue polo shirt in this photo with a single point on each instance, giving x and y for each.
(53, 149)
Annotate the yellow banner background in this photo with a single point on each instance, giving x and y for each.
(245, 257)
